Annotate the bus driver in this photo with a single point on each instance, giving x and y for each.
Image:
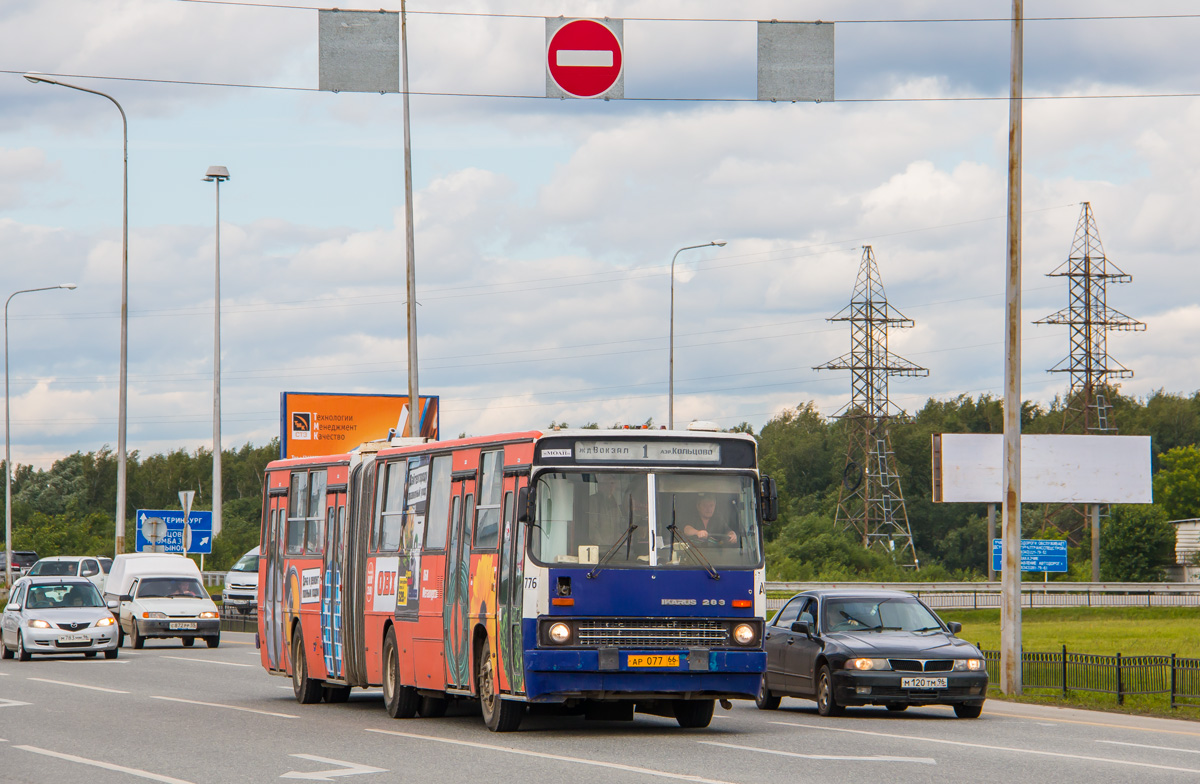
(707, 525)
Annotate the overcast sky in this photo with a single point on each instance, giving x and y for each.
(545, 228)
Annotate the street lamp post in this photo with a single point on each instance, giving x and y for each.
(122, 396)
(8, 440)
(671, 360)
(217, 174)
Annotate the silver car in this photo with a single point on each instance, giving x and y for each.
(56, 615)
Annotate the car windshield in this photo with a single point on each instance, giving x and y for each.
(45, 597)
(247, 563)
(582, 517)
(171, 588)
(56, 568)
(879, 615)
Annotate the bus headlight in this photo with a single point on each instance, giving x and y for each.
(559, 633)
(744, 634)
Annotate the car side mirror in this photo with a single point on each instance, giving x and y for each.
(126, 598)
(13, 608)
(802, 627)
(954, 626)
(112, 604)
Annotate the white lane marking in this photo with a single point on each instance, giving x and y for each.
(77, 685)
(1144, 746)
(205, 661)
(920, 760)
(559, 757)
(584, 58)
(1035, 752)
(230, 707)
(348, 769)
(10, 703)
(145, 774)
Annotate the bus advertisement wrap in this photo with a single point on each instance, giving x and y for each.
(322, 423)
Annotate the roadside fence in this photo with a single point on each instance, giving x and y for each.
(234, 620)
(986, 595)
(1066, 671)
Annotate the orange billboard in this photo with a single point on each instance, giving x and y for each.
(329, 423)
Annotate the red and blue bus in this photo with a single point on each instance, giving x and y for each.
(610, 571)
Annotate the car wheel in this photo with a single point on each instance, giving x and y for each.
(499, 714)
(826, 702)
(765, 700)
(22, 654)
(136, 639)
(432, 707)
(213, 642)
(400, 701)
(188, 642)
(5, 652)
(968, 711)
(111, 653)
(306, 689)
(120, 635)
(897, 708)
(694, 714)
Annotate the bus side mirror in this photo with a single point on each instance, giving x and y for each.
(770, 499)
(525, 499)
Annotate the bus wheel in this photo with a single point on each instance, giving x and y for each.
(499, 714)
(400, 701)
(694, 714)
(307, 689)
(433, 707)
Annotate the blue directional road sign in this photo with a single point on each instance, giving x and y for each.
(163, 531)
(1037, 555)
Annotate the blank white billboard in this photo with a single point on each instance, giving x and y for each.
(1055, 469)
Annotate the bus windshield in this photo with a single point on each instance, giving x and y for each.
(698, 519)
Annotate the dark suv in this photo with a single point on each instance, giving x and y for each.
(22, 560)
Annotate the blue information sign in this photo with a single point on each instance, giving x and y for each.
(1037, 555)
(163, 531)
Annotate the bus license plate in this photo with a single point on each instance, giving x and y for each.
(653, 661)
(183, 626)
(922, 683)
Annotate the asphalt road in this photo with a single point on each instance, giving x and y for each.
(174, 714)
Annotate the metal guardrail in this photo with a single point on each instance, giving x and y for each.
(1119, 675)
(986, 595)
(234, 620)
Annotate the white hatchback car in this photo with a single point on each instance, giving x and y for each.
(56, 615)
(71, 566)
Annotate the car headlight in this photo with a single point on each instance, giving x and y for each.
(969, 664)
(154, 615)
(559, 633)
(868, 664)
(208, 614)
(105, 621)
(744, 634)
(38, 623)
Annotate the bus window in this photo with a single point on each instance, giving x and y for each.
(487, 525)
(297, 513)
(391, 518)
(439, 503)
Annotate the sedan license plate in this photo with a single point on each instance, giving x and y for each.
(184, 625)
(654, 661)
(922, 683)
(74, 638)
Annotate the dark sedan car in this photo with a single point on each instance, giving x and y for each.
(851, 647)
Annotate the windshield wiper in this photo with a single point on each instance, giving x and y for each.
(625, 538)
(692, 549)
(929, 629)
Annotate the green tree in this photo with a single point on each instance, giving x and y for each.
(1177, 483)
(1136, 544)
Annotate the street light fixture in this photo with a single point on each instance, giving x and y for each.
(8, 441)
(122, 394)
(671, 361)
(217, 174)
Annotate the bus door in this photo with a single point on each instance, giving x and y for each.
(272, 551)
(456, 628)
(333, 583)
(510, 593)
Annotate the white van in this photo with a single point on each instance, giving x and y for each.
(241, 584)
(161, 595)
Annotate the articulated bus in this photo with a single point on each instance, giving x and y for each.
(608, 571)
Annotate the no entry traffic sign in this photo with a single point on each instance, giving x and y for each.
(584, 58)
